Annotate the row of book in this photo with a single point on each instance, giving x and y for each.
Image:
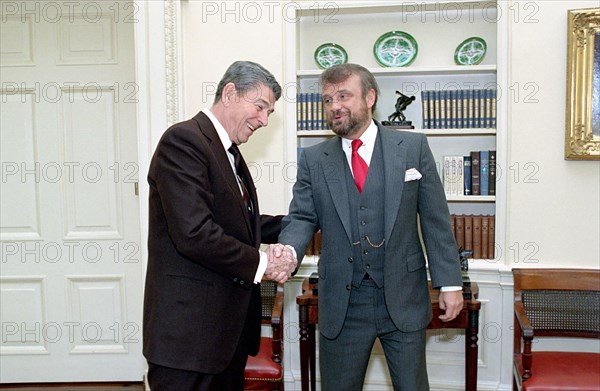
(474, 174)
(475, 232)
(314, 247)
(309, 107)
(459, 109)
(472, 232)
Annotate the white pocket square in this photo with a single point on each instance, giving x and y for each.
(412, 174)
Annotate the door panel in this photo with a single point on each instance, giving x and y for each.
(71, 273)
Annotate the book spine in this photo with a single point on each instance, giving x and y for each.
(467, 175)
(482, 113)
(436, 108)
(320, 114)
(477, 237)
(485, 236)
(299, 124)
(425, 107)
(311, 111)
(484, 175)
(317, 242)
(448, 175)
(448, 96)
(488, 108)
(459, 109)
(460, 231)
(475, 189)
(305, 111)
(454, 111)
(310, 249)
(443, 123)
(469, 232)
(492, 174)
(470, 108)
(476, 108)
(453, 225)
(493, 113)
(460, 173)
(492, 238)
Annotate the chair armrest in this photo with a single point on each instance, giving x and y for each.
(523, 321)
(524, 329)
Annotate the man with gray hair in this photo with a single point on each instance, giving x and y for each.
(202, 298)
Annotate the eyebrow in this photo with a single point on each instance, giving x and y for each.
(337, 92)
(267, 104)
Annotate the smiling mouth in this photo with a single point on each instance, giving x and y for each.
(252, 128)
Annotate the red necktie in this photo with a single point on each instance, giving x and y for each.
(359, 166)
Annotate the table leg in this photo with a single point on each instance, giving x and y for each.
(471, 350)
(304, 347)
(313, 356)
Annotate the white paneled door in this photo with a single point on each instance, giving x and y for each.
(71, 270)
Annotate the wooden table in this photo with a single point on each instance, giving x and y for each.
(468, 319)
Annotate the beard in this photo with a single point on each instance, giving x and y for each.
(350, 124)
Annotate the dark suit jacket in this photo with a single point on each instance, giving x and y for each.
(202, 250)
(321, 201)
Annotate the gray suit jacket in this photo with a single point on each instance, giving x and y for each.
(321, 201)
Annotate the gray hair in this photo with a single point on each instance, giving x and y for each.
(246, 76)
(340, 73)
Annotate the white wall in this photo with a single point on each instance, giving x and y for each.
(215, 34)
(559, 214)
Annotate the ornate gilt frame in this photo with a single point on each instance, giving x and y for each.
(582, 140)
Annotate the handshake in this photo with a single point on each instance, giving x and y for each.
(281, 262)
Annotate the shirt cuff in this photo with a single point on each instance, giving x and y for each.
(450, 288)
(262, 266)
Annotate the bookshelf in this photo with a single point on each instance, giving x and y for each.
(438, 28)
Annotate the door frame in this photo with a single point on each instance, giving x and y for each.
(158, 54)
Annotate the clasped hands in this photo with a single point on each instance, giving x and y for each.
(281, 262)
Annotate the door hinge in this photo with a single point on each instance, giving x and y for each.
(136, 187)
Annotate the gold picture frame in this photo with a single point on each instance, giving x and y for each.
(582, 140)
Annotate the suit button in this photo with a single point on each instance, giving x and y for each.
(348, 287)
(241, 282)
(363, 223)
(235, 279)
(363, 207)
(365, 252)
(350, 259)
(368, 266)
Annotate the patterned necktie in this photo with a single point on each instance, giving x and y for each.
(237, 159)
(359, 166)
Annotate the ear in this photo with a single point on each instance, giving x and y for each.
(228, 94)
(371, 98)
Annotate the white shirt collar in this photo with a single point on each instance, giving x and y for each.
(223, 135)
(367, 138)
(366, 149)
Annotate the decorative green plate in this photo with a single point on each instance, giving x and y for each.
(330, 54)
(395, 49)
(471, 51)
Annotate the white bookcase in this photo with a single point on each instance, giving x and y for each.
(438, 28)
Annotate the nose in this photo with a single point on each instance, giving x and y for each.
(263, 119)
(334, 105)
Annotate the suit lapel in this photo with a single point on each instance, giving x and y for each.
(334, 167)
(394, 157)
(208, 130)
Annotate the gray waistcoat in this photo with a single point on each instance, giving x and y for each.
(367, 221)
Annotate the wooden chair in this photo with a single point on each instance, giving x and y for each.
(555, 303)
(264, 372)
